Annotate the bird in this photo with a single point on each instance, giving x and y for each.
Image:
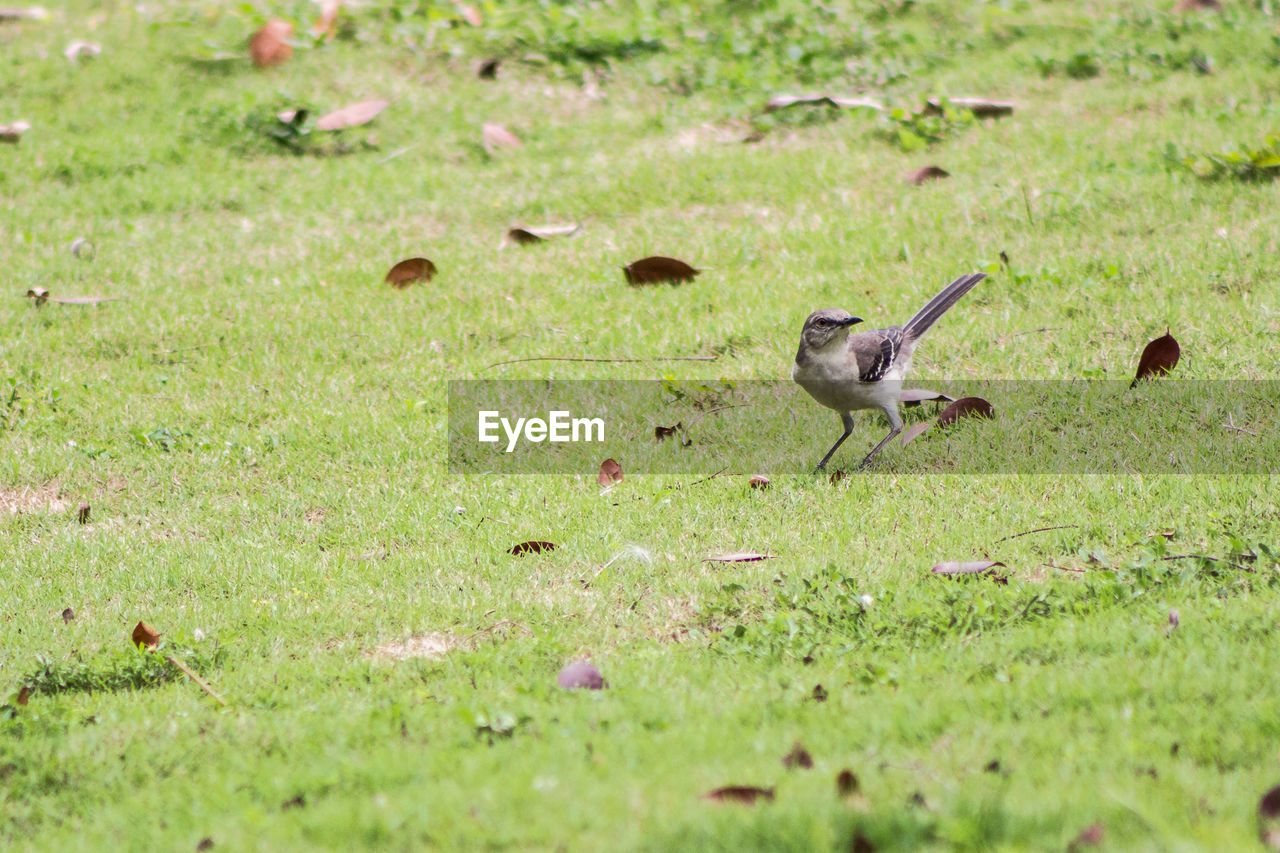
(847, 372)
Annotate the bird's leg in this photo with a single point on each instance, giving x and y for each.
(846, 418)
(895, 427)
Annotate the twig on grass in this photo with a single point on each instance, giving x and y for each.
(200, 682)
(1230, 424)
(1239, 566)
(1037, 530)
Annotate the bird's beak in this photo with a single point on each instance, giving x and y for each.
(851, 321)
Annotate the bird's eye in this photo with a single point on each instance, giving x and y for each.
(824, 323)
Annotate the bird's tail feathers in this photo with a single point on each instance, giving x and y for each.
(939, 305)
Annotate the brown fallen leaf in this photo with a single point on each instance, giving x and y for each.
(68, 615)
(270, 45)
(487, 69)
(662, 433)
(33, 13)
(759, 481)
(798, 757)
(1197, 6)
(739, 557)
(1091, 836)
(781, 102)
(409, 271)
(522, 235)
(861, 844)
(1159, 357)
(82, 513)
(966, 407)
(146, 636)
(205, 844)
(533, 546)
(657, 269)
(915, 431)
(24, 695)
(610, 472)
(909, 397)
(925, 174)
(352, 115)
(818, 693)
(326, 26)
(12, 133)
(846, 783)
(746, 794)
(470, 14)
(980, 107)
(495, 136)
(1269, 818)
(580, 676)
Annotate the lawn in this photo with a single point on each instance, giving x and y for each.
(246, 446)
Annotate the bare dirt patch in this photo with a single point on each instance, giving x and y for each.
(422, 646)
(25, 500)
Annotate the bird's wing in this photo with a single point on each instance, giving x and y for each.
(875, 352)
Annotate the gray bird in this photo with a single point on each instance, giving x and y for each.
(864, 371)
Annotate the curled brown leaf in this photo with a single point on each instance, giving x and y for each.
(270, 46)
(746, 794)
(146, 636)
(409, 271)
(1158, 358)
(533, 546)
(925, 174)
(610, 472)
(657, 269)
(966, 407)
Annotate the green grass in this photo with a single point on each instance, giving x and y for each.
(259, 425)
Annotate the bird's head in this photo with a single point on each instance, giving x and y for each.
(826, 328)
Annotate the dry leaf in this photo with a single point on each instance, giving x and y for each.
(780, 102)
(818, 694)
(293, 118)
(980, 107)
(1268, 817)
(915, 431)
(1197, 6)
(487, 69)
(34, 13)
(925, 174)
(533, 546)
(846, 783)
(79, 50)
(966, 407)
(580, 675)
(975, 567)
(270, 45)
(523, 235)
(470, 14)
(662, 433)
(39, 295)
(610, 472)
(798, 757)
(12, 133)
(1159, 357)
(739, 557)
(495, 136)
(326, 26)
(915, 396)
(82, 513)
(68, 615)
(145, 635)
(409, 271)
(353, 115)
(759, 481)
(739, 794)
(205, 844)
(24, 695)
(1091, 836)
(657, 269)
